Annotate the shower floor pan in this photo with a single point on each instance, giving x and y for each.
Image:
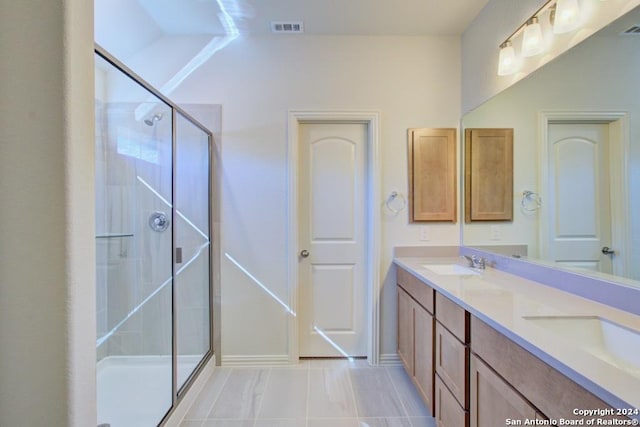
(135, 391)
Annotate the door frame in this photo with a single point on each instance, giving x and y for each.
(371, 119)
(618, 123)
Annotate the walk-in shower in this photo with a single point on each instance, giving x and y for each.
(153, 228)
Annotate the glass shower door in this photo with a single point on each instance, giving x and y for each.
(133, 186)
(153, 204)
(192, 247)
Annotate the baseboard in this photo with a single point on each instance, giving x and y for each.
(266, 360)
(390, 359)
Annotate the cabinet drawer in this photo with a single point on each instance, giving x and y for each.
(453, 317)
(452, 360)
(418, 290)
(448, 412)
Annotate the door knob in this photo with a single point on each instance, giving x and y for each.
(608, 251)
(304, 253)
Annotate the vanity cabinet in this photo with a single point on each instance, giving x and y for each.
(470, 374)
(415, 333)
(434, 349)
(451, 362)
(507, 381)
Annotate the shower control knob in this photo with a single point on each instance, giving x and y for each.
(159, 221)
(304, 253)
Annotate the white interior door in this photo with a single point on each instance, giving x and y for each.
(579, 210)
(332, 230)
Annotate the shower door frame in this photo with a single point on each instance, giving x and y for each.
(177, 394)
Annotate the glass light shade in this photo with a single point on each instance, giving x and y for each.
(507, 60)
(532, 41)
(566, 16)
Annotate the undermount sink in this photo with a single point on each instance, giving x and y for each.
(615, 344)
(450, 270)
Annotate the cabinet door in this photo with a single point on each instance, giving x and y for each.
(423, 354)
(488, 187)
(448, 411)
(405, 330)
(432, 175)
(493, 401)
(452, 358)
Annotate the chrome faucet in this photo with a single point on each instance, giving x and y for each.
(476, 262)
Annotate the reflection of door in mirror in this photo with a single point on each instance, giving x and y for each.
(583, 173)
(579, 223)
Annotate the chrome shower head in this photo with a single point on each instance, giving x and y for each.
(152, 121)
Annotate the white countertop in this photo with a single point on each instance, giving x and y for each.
(502, 300)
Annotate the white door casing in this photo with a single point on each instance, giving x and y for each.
(583, 173)
(332, 229)
(321, 262)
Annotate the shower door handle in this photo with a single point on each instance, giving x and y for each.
(178, 255)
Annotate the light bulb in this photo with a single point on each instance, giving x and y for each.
(532, 41)
(566, 16)
(506, 60)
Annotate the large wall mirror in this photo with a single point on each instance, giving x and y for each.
(576, 125)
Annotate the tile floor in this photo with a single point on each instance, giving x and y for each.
(315, 393)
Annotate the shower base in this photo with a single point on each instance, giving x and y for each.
(135, 391)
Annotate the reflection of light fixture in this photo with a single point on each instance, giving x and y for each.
(566, 16)
(532, 42)
(507, 60)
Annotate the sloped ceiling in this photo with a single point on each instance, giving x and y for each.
(131, 29)
(128, 25)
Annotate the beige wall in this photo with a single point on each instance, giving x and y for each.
(47, 275)
(412, 81)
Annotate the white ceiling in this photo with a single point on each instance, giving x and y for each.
(135, 30)
(339, 17)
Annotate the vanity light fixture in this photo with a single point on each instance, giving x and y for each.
(532, 41)
(564, 16)
(507, 60)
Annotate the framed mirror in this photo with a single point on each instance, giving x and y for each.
(576, 189)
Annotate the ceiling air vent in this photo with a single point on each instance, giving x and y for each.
(632, 31)
(287, 27)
